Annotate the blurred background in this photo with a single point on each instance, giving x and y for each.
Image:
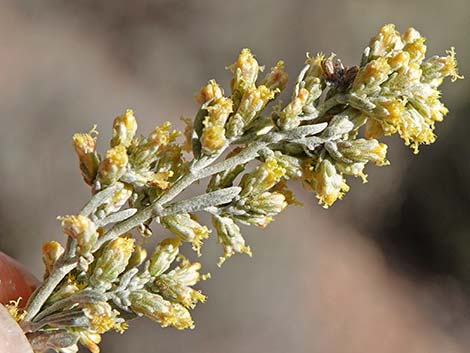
(385, 270)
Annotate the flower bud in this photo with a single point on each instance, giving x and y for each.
(292, 165)
(82, 229)
(386, 41)
(124, 128)
(175, 291)
(363, 150)
(85, 148)
(209, 92)
(416, 49)
(326, 182)
(113, 166)
(254, 219)
(267, 203)
(438, 67)
(187, 273)
(51, 252)
(112, 262)
(230, 237)
(252, 102)
(137, 258)
(245, 72)
(186, 229)
(213, 132)
(163, 256)
(176, 285)
(354, 169)
(154, 307)
(372, 75)
(181, 317)
(263, 177)
(101, 316)
(289, 117)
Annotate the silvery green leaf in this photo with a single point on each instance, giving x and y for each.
(299, 81)
(305, 130)
(199, 203)
(116, 217)
(338, 126)
(99, 198)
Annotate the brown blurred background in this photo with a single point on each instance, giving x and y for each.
(385, 270)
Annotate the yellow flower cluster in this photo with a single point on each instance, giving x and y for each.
(218, 110)
(403, 86)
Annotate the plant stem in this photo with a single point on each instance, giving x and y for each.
(199, 169)
(43, 292)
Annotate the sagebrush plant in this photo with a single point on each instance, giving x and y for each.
(328, 130)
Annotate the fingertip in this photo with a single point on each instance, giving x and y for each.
(12, 338)
(15, 281)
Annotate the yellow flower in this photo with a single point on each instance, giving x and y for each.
(254, 100)
(245, 71)
(51, 252)
(386, 41)
(82, 229)
(372, 74)
(416, 49)
(326, 182)
(102, 317)
(85, 148)
(363, 150)
(213, 133)
(84, 144)
(160, 310)
(160, 179)
(209, 92)
(171, 289)
(14, 310)
(263, 178)
(288, 118)
(113, 166)
(230, 237)
(124, 128)
(186, 229)
(162, 136)
(399, 60)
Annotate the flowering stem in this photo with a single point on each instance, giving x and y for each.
(199, 169)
